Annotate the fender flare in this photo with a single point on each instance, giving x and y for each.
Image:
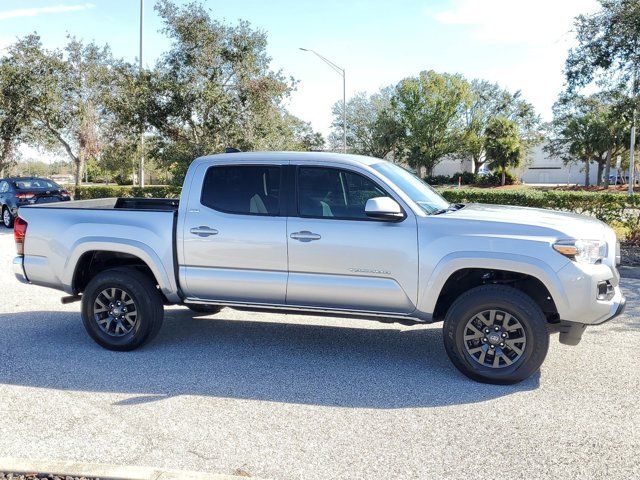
(451, 263)
(132, 247)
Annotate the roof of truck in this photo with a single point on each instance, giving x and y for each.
(347, 159)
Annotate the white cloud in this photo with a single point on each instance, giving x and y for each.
(32, 12)
(542, 31)
(509, 21)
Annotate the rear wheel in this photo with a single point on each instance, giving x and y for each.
(496, 334)
(7, 217)
(203, 309)
(122, 309)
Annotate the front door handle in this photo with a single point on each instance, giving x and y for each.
(203, 231)
(305, 236)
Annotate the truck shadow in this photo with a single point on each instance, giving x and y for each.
(279, 362)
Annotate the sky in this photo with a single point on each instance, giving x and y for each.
(522, 45)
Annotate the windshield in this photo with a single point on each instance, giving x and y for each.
(421, 193)
(35, 183)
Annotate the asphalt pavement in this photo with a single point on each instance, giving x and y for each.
(289, 397)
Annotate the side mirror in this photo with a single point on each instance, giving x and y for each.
(383, 208)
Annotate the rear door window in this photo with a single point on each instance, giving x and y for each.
(244, 190)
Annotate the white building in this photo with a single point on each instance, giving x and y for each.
(538, 167)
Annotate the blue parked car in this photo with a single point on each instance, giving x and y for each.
(18, 191)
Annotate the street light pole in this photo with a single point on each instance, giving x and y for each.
(142, 130)
(340, 71)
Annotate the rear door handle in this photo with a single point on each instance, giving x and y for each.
(305, 236)
(203, 231)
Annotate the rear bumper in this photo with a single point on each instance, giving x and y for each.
(18, 269)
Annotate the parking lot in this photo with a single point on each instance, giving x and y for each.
(282, 396)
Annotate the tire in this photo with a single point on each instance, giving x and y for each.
(203, 309)
(7, 217)
(524, 319)
(132, 324)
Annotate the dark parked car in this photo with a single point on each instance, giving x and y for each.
(18, 191)
(619, 179)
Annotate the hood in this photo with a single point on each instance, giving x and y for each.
(525, 220)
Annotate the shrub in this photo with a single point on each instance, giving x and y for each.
(494, 179)
(469, 178)
(439, 180)
(107, 191)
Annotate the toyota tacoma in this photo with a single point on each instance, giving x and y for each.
(329, 234)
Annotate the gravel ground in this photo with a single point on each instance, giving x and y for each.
(289, 397)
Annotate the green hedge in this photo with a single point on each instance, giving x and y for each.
(106, 191)
(492, 179)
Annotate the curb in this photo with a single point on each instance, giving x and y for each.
(103, 471)
(629, 272)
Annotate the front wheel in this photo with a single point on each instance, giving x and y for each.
(122, 309)
(496, 334)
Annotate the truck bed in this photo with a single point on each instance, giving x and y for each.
(121, 203)
(59, 234)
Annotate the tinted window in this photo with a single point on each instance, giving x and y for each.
(421, 193)
(249, 190)
(35, 183)
(333, 193)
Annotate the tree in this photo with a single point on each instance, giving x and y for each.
(372, 128)
(212, 89)
(608, 50)
(429, 108)
(588, 129)
(15, 115)
(503, 145)
(64, 100)
(608, 45)
(304, 137)
(489, 100)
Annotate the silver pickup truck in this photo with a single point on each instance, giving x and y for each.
(329, 234)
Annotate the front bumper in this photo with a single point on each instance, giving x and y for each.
(571, 332)
(18, 269)
(582, 303)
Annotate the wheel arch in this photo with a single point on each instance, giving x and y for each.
(462, 271)
(91, 257)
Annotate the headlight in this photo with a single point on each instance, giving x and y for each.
(583, 251)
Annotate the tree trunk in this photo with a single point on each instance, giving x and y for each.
(587, 173)
(4, 155)
(75, 158)
(504, 177)
(599, 175)
(607, 169)
(79, 170)
(476, 165)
